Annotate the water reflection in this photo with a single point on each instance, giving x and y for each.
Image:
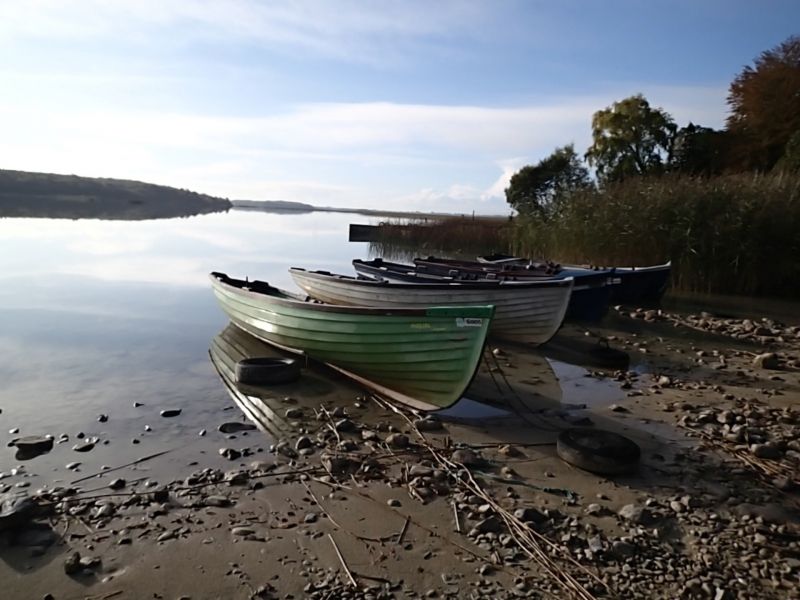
(99, 315)
(46, 208)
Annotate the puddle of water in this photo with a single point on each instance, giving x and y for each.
(466, 410)
(578, 388)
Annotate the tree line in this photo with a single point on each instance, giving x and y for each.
(631, 139)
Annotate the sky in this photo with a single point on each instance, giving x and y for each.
(423, 106)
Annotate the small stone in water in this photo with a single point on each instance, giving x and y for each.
(220, 501)
(230, 453)
(235, 427)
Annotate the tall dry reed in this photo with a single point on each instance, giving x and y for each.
(737, 234)
(456, 237)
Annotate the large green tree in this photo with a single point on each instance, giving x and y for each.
(630, 138)
(764, 102)
(539, 189)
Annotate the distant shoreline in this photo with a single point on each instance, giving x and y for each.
(26, 194)
(299, 207)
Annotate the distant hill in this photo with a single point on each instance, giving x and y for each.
(47, 195)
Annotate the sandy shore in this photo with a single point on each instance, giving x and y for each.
(363, 501)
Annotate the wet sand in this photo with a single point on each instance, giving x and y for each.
(353, 488)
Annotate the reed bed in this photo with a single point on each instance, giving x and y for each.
(457, 237)
(737, 234)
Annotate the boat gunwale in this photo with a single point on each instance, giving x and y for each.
(435, 285)
(619, 270)
(306, 302)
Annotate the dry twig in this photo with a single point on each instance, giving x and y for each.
(344, 564)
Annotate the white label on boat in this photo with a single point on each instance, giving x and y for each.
(469, 322)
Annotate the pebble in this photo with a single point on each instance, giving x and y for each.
(466, 457)
(508, 450)
(286, 450)
(310, 518)
(242, 531)
(235, 427)
(170, 412)
(594, 509)
(530, 515)
(117, 484)
(102, 418)
(83, 447)
(219, 501)
(230, 453)
(294, 413)
(428, 424)
(393, 502)
(636, 514)
(303, 442)
(345, 425)
(768, 360)
(105, 511)
(397, 440)
(768, 451)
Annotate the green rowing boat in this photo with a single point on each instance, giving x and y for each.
(423, 357)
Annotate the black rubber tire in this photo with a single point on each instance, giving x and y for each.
(598, 451)
(264, 371)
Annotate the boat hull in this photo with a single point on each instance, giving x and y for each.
(423, 357)
(526, 312)
(589, 301)
(591, 292)
(634, 284)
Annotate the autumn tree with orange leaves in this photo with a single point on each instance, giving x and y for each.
(764, 103)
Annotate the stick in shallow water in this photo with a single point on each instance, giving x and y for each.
(130, 464)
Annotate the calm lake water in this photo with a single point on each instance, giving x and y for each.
(98, 315)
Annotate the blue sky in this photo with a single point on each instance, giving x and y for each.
(400, 105)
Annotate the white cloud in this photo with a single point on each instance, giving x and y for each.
(458, 199)
(367, 32)
(346, 154)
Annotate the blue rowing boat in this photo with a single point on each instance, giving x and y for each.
(636, 284)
